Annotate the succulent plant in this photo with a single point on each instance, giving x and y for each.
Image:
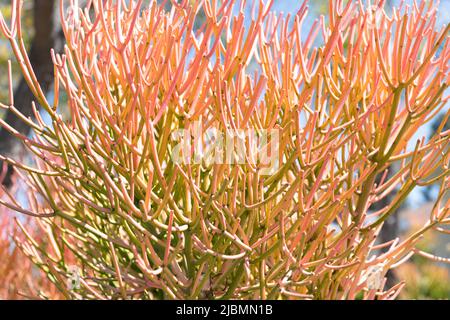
(338, 107)
(19, 277)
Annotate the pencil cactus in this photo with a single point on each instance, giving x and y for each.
(19, 278)
(116, 200)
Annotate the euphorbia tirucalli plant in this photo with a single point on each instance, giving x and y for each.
(345, 101)
(19, 278)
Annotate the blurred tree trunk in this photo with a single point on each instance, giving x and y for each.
(390, 229)
(389, 232)
(46, 36)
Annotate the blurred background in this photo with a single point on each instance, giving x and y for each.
(424, 279)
